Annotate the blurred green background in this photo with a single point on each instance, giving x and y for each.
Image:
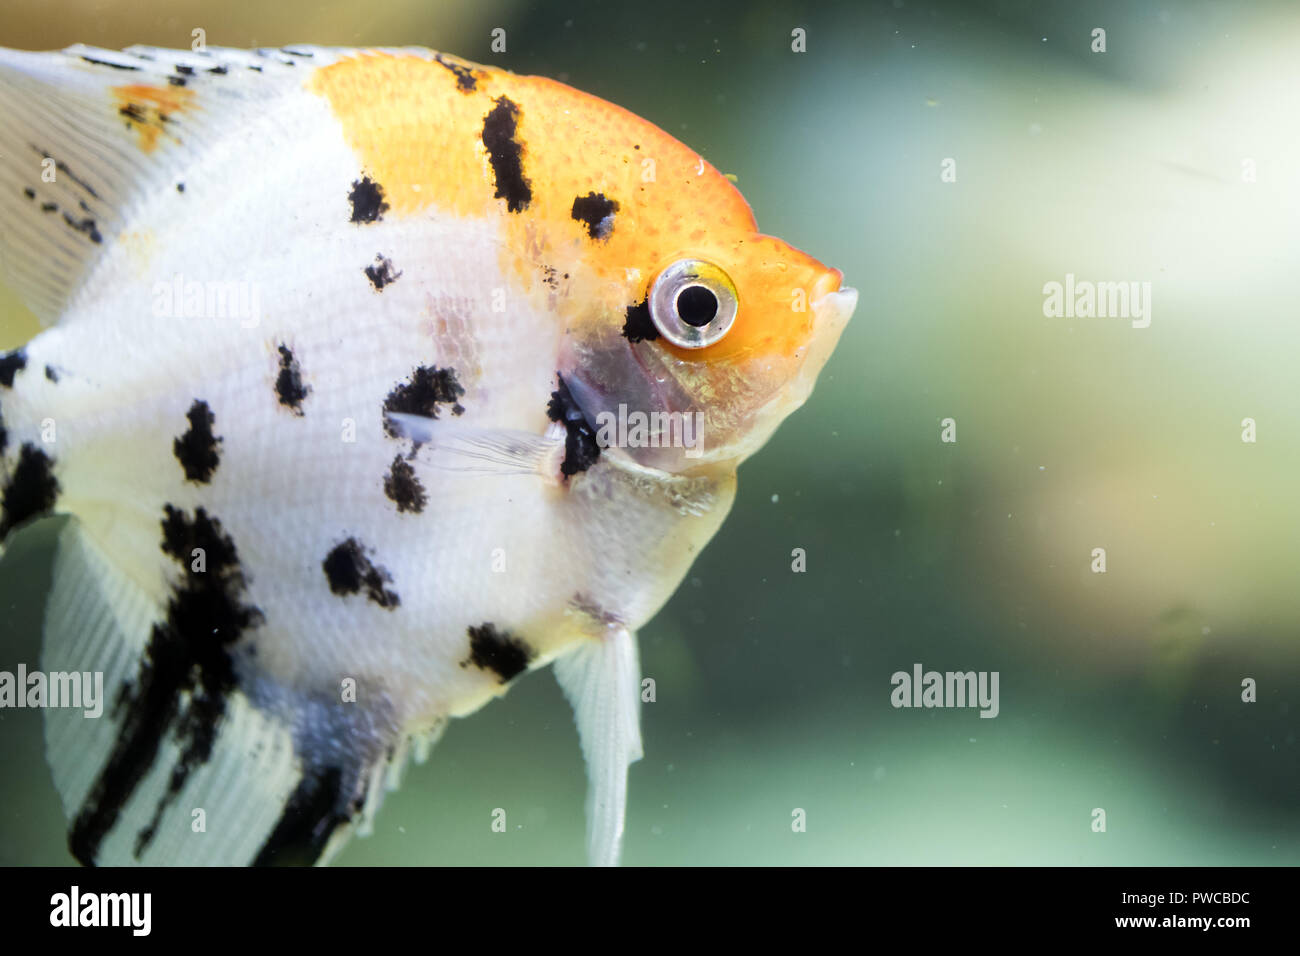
(1118, 690)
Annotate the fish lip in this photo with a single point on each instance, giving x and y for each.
(841, 302)
(832, 310)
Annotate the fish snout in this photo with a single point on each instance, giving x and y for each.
(832, 310)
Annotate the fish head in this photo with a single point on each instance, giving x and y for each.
(703, 331)
(671, 308)
(743, 332)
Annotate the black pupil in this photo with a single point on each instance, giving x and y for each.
(697, 306)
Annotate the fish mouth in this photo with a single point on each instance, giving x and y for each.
(833, 304)
(832, 310)
(838, 306)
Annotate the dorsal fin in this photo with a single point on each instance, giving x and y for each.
(87, 134)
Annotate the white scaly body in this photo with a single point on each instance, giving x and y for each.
(330, 686)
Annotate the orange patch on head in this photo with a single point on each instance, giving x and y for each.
(541, 158)
(420, 134)
(149, 109)
(412, 130)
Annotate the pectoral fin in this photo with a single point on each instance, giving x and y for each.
(455, 447)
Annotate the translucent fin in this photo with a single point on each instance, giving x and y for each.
(601, 681)
(98, 622)
(452, 446)
(87, 136)
(261, 794)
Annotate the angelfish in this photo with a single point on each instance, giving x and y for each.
(332, 336)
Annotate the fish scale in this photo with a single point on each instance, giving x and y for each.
(337, 334)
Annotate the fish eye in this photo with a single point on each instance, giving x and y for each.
(693, 303)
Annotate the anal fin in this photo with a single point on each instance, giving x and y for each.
(134, 789)
(98, 622)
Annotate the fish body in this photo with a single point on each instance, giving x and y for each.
(374, 379)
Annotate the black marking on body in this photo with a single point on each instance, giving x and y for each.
(581, 449)
(219, 70)
(505, 152)
(31, 490)
(367, 198)
(186, 675)
(62, 167)
(466, 79)
(498, 651)
(638, 326)
(196, 450)
(597, 212)
(184, 70)
(429, 388)
(403, 487)
(288, 384)
(381, 273)
(349, 570)
(4, 435)
(116, 66)
(176, 80)
(309, 819)
(11, 363)
(51, 374)
(85, 226)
